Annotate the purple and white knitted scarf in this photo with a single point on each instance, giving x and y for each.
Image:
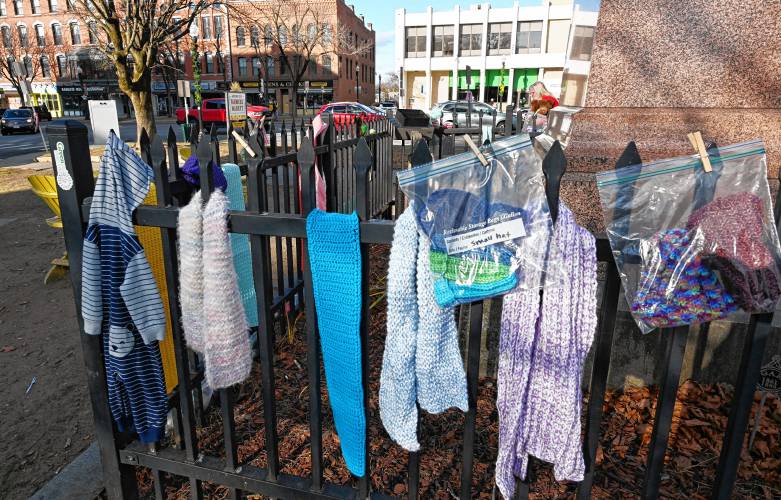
(542, 349)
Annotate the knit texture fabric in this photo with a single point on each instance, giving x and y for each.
(542, 348)
(333, 242)
(226, 338)
(191, 171)
(421, 361)
(733, 235)
(676, 288)
(191, 271)
(242, 257)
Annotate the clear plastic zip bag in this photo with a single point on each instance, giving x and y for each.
(489, 226)
(693, 246)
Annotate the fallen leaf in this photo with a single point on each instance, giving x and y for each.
(8, 348)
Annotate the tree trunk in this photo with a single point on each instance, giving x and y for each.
(145, 115)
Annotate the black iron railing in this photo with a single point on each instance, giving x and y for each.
(358, 171)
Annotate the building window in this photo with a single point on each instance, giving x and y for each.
(242, 66)
(92, 28)
(499, 37)
(23, 40)
(206, 28)
(326, 61)
(282, 65)
(46, 68)
(218, 27)
(442, 42)
(270, 67)
(529, 37)
(28, 66)
(283, 35)
(311, 32)
(220, 62)
(18, 7)
(6, 36)
(241, 37)
(268, 35)
(75, 34)
(40, 35)
(471, 40)
(416, 41)
(3, 11)
(256, 65)
(57, 33)
(312, 66)
(582, 43)
(327, 36)
(52, 5)
(36, 5)
(62, 66)
(254, 36)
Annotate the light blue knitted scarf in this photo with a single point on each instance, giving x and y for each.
(422, 361)
(242, 258)
(333, 241)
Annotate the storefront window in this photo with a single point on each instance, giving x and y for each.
(416, 41)
(442, 41)
(529, 39)
(499, 37)
(471, 40)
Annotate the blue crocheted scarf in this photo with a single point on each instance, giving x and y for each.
(333, 241)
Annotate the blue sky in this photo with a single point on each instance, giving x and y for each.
(382, 14)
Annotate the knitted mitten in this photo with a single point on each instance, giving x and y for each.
(438, 363)
(242, 257)
(191, 271)
(398, 409)
(227, 347)
(333, 242)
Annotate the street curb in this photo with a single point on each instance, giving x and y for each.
(81, 479)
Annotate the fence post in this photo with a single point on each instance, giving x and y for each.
(327, 161)
(75, 182)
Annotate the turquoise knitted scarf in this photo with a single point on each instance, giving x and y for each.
(333, 241)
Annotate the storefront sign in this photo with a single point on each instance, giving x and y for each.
(287, 84)
(237, 106)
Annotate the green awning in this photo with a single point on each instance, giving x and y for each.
(462, 79)
(495, 78)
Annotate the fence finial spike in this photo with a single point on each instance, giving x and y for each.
(157, 151)
(421, 154)
(630, 156)
(171, 136)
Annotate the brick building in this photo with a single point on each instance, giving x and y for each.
(66, 65)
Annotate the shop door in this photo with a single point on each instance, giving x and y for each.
(285, 101)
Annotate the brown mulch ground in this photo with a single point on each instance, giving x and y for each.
(700, 419)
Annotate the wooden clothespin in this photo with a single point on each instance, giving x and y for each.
(695, 138)
(243, 143)
(469, 142)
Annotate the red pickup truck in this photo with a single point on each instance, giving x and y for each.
(214, 112)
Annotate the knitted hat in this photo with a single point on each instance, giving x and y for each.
(192, 173)
(227, 346)
(333, 242)
(675, 287)
(422, 361)
(542, 349)
(191, 271)
(732, 231)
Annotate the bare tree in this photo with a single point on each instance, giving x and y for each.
(19, 46)
(294, 32)
(131, 33)
(390, 85)
(170, 68)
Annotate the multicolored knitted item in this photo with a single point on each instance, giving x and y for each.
(467, 268)
(242, 257)
(333, 242)
(676, 288)
(733, 235)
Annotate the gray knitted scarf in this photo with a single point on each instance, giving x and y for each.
(542, 348)
(422, 361)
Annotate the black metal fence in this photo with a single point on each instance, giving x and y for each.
(362, 177)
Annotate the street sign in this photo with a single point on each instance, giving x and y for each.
(183, 88)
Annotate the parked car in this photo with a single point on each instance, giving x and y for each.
(213, 111)
(347, 111)
(451, 114)
(18, 120)
(388, 106)
(42, 112)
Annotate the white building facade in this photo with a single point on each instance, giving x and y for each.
(492, 53)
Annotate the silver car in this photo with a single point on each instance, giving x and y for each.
(450, 114)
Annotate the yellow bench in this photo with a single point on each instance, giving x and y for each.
(46, 188)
